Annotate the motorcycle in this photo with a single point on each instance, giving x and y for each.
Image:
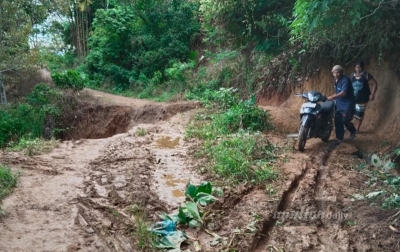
(316, 118)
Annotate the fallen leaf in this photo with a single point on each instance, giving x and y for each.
(394, 229)
(197, 246)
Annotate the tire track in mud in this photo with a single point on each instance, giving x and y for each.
(133, 173)
(317, 163)
(322, 169)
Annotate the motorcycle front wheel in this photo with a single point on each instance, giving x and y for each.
(302, 137)
(327, 134)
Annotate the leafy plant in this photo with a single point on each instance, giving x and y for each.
(248, 22)
(140, 132)
(69, 79)
(318, 30)
(8, 180)
(191, 211)
(201, 194)
(386, 189)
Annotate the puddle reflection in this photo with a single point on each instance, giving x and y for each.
(166, 142)
(171, 181)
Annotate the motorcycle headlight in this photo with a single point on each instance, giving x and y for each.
(305, 110)
(312, 97)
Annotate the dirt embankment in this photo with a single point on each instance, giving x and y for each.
(382, 118)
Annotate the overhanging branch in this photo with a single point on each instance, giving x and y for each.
(379, 6)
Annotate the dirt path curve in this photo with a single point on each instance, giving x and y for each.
(80, 197)
(119, 100)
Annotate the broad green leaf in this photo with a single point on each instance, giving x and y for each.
(204, 199)
(183, 215)
(191, 191)
(194, 224)
(204, 187)
(194, 211)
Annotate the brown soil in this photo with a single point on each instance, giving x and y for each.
(127, 153)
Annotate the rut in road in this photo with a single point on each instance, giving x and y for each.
(315, 165)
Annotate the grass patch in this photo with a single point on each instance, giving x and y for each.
(32, 147)
(140, 132)
(233, 142)
(243, 157)
(141, 231)
(8, 180)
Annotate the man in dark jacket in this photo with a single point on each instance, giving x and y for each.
(344, 97)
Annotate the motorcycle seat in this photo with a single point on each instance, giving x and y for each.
(327, 107)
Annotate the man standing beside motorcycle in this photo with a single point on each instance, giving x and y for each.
(345, 102)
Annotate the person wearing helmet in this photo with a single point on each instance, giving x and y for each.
(344, 98)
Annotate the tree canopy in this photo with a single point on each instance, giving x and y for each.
(123, 42)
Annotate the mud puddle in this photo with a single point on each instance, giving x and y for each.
(172, 173)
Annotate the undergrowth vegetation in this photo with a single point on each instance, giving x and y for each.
(383, 183)
(33, 146)
(8, 180)
(45, 113)
(231, 131)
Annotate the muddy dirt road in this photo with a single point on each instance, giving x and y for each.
(129, 153)
(78, 197)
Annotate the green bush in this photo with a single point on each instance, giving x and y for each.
(243, 115)
(27, 120)
(17, 121)
(8, 180)
(69, 79)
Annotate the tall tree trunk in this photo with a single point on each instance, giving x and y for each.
(2, 91)
(78, 31)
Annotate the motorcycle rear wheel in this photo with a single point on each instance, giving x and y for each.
(302, 137)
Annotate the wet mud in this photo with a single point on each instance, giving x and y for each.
(133, 154)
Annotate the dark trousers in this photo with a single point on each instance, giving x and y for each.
(343, 119)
